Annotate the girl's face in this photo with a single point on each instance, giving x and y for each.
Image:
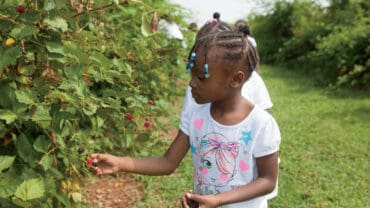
(211, 173)
(216, 87)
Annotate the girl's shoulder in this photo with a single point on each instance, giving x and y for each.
(259, 116)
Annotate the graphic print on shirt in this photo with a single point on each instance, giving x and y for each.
(217, 163)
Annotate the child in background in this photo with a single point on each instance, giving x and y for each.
(234, 143)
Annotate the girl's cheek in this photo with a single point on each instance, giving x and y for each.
(223, 177)
(204, 171)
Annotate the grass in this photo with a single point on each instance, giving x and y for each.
(324, 151)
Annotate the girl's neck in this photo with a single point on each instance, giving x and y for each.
(231, 111)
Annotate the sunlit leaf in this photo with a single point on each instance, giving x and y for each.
(57, 24)
(24, 96)
(30, 189)
(145, 26)
(6, 162)
(46, 162)
(7, 115)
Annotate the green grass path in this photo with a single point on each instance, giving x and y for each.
(324, 151)
(325, 142)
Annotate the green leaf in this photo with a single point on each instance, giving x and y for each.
(77, 197)
(6, 162)
(41, 144)
(55, 48)
(42, 116)
(24, 150)
(9, 56)
(8, 185)
(30, 189)
(57, 24)
(24, 96)
(8, 116)
(46, 162)
(49, 5)
(21, 203)
(145, 26)
(23, 31)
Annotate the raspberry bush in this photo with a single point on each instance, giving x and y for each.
(76, 77)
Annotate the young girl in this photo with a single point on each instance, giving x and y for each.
(234, 144)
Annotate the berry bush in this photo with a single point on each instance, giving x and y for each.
(75, 77)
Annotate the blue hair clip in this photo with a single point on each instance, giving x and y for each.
(206, 74)
(190, 62)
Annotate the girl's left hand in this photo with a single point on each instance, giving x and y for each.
(204, 201)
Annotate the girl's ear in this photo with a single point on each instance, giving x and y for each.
(237, 79)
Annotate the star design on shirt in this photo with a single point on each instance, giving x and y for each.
(246, 137)
(193, 149)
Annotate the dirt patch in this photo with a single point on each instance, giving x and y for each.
(112, 191)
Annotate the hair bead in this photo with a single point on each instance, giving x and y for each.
(206, 74)
(190, 62)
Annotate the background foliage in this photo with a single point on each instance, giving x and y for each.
(77, 77)
(331, 43)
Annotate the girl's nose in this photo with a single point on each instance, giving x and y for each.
(192, 82)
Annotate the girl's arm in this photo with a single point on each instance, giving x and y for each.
(267, 175)
(166, 164)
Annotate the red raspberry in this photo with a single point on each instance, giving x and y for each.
(20, 9)
(150, 102)
(89, 160)
(129, 116)
(147, 124)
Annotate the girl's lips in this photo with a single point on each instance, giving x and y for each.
(194, 94)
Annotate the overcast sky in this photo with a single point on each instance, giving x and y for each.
(230, 10)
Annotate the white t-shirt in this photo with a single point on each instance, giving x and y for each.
(252, 41)
(224, 157)
(170, 29)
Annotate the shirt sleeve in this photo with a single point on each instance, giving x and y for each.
(186, 111)
(268, 139)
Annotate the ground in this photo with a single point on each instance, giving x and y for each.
(112, 191)
(120, 191)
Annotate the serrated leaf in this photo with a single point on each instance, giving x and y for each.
(30, 189)
(6, 162)
(57, 24)
(8, 116)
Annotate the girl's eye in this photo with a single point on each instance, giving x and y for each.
(201, 78)
(207, 164)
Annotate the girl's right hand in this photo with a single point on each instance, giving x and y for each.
(104, 163)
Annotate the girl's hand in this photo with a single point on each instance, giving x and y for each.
(191, 200)
(105, 163)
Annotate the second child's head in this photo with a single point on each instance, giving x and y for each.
(220, 63)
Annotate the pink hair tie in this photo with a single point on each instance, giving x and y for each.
(211, 21)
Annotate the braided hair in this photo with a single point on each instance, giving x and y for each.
(233, 48)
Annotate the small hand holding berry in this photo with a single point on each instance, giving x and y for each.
(191, 200)
(103, 163)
